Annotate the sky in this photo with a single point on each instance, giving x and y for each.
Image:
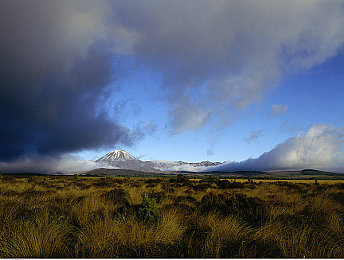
(258, 84)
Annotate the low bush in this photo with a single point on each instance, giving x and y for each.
(148, 210)
(180, 178)
(251, 210)
(210, 179)
(225, 184)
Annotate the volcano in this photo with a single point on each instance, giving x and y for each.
(116, 156)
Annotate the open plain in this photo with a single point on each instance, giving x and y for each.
(73, 216)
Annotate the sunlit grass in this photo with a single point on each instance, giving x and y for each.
(101, 217)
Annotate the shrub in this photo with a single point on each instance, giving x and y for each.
(210, 179)
(201, 186)
(180, 178)
(153, 181)
(251, 210)
(225, 184)
(337, 197)
(158, 196)
(148, 210)
(76, 177)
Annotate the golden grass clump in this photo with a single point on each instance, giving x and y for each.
(41, 236)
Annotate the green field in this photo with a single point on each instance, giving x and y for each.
(73, 216)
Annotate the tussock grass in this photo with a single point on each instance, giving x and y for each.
(65, 216)
(41, 236)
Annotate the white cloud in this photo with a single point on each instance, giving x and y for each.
(188, 116)
(322, 147)
(176, 166)
(229, 54)
(278, 109)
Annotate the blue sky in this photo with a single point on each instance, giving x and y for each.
(312, 96)
(173, 80)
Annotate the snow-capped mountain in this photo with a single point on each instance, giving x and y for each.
(123, 160)
(115, 156)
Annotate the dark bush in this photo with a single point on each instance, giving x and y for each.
(24, 214)
(337, 197)
(184, 199)
(210, 179)
(224, 184)
(194, 241)
(153, 180)
(180, 178)
(251, 210)
(118, 196)
(135, 183)
(28, 194)
(213, 202)
(158, 196)
(288, 185)
(120, 199)
(308, 216)
(78, 199)
(103, 182)
(339, 186)
(10, 193)
(167, 187)
(201, 186)
(82, 185)
(180, 207)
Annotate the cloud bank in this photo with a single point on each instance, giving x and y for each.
(322, 147)
(64, 164)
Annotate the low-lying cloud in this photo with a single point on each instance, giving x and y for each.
(64, 164)
(322, 147)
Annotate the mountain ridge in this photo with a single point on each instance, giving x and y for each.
(124, 160)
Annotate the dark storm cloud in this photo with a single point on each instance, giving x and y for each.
(54, 66)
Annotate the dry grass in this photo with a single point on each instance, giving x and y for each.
(100, 217)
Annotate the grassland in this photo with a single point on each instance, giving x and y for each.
(72, 216)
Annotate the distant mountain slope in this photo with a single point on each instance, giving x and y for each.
(123, 160)
(107, 172)
(317, 172)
